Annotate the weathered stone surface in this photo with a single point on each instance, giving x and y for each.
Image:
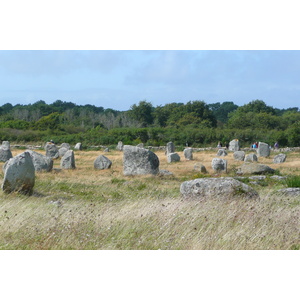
(65, 145)
(200, 168)
(254, 168)
(141, 145)
(106, 150)
(188, 153)
(170, 148)
(51, 150)
(217, 188)
(62, 151)
(239, 155)
(5, 154)
(78, 146)
(263, 150)
(5, 145)
(219, 165)
(221, 152)
(250, 158)
(120, 146)
(234, 145)
(102, 162)
(278, 178)
(258, 177)
(173, 157)
(292, 192)
(40, 161)
(139, 161)
(280, 158)
(19, 175)
(68, 160)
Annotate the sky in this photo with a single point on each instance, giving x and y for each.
(118, 79)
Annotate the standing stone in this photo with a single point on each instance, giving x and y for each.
(5, 144)
(40, 161)
(68, 160)
(200, 168)
(173, 157)
(65, 145)
(106, 150)
(19, 175)
(170, 148)
(62, 151)
(139, 161)
(120, 146)
(217, 188)
(5, 154)
(141, 145)
(188, 153)
(234, 145)
(239, 155)
(250, 157)
(51, 150)
(219, 165)
(78, 146)
(280, 158)
(102, 162)
(221, 152)
(263, 150)
(257, 169)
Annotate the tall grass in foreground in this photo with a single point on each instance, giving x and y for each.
(147, 223)
(88, 209)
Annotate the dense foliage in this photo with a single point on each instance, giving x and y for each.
(194, 123)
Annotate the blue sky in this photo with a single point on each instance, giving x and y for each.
(120, 78)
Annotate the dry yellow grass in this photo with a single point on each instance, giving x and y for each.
(93, 209)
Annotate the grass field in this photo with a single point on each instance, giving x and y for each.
(102, 209)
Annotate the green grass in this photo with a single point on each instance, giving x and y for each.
(293, 181)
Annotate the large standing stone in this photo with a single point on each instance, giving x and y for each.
(239, 155)
(219, 165)
(78, 146)
(139, 161)
(280, 158)
(102, 162)
(221, 152)
(217, 188)
(120, 146)
(234, 145)
(19, 175)
(250, 168)
(188, 153)
(173, 157)
(40, 161)
(250, 158)
(170, 148)
(263, 150)
(68, 160)
(51, 150)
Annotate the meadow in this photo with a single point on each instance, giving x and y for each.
(103, 209)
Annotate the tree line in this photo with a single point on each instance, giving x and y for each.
(194, 123)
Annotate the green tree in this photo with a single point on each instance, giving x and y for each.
(143, 113)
